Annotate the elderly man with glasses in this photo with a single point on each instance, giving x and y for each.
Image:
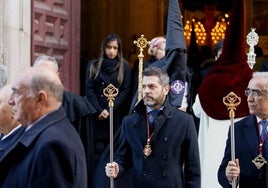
(251, 140)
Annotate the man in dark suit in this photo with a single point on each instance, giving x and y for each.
(250, 166)
(163, 146)
(79, 111)
(10, 128)
(50, 152)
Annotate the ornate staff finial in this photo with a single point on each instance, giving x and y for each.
(231, 101)
(141, 43)
(252, 40)
(110, 92)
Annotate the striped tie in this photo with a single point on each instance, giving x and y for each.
(264, 123)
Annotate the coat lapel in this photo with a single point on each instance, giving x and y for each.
(159, 121)
(250, 135)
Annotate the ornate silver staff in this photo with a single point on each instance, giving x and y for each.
(232, 101)
(141, 43)
(252, 40)
(111, 92)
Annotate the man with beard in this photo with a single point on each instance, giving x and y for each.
(160, 140)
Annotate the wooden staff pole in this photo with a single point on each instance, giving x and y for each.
(111, 92)
(232, 101)
(141, 43)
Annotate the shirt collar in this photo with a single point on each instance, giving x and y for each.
(148, 109)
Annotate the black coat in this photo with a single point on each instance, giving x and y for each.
(94, 94)
(9, 141)
(174, 161)
(80, 113)
(49, 154)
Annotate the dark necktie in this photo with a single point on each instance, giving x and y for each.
(152, 115)
(264, 123)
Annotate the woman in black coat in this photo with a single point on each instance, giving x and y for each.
(109, 68)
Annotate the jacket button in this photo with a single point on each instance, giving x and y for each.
(165, 139)
(164, 156)
(144, 173)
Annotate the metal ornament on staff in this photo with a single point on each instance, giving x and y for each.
(141, 43)
(252, 40)
(111, 92)
(232, 101)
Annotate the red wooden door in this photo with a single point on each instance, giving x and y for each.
(56, 32)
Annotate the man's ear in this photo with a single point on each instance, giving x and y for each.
(166, 89)
(41, 97)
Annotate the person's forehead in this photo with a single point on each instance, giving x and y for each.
(150, 79)
(113, 43)
(18, 86)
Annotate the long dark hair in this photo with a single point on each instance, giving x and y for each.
(95, 70)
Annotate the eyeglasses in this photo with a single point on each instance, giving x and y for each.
(255, 93)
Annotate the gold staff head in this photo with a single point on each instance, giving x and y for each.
(110, 92)
(231, 101)
(141, 43)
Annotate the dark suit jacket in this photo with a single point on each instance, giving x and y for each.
(174, 161)
(80, 113)
(10, 140)
(246, 149)
(49, 154)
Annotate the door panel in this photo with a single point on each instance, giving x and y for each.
(55, 32)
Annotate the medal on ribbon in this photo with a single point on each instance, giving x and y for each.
(259, 161)
(147, 149)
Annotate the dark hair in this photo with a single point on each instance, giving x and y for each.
(155, 71)
(95, 70)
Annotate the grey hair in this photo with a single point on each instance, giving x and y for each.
(263, 75)
(41, 58)
(44, 81)
(155, 71)
(3, 75)
(260, 74)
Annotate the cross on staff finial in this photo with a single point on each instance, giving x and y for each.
(141, 43)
